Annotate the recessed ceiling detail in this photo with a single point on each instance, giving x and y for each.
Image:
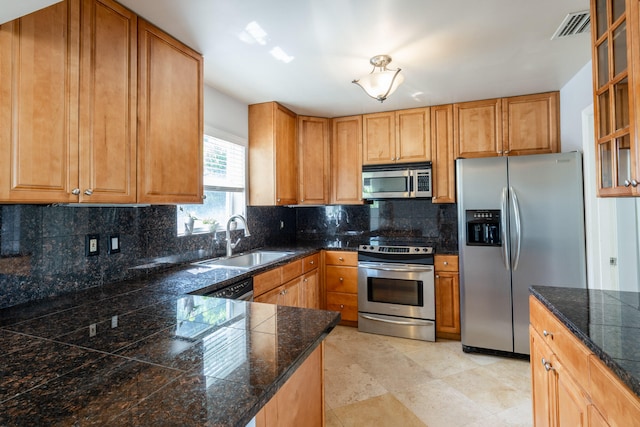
(573, 24)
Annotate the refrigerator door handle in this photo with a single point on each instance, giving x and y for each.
(506, 256)
(516, 214)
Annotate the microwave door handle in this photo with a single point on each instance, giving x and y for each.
(412, 186)
(506, 256)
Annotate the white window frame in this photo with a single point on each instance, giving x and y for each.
(235, 205)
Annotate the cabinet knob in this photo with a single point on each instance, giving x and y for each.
(75, 191)
(278, 200)
(341, 306)
(546, 364)
(506, 152)
(305, 280)
(445, 263)
(547, 334)
(341, 279)
(437, 276)
(312, 262)
(499, 152)
(340, 259)
(204, 196)
(632, 183)
(88, 191)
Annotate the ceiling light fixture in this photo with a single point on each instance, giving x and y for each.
(380, 83)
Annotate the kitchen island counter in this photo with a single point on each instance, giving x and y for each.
(147, 353)
(606, 322)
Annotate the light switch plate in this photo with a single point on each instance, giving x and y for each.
(114, 243)
(92, 244)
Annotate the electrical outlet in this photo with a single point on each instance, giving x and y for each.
(114, 244)
(92, 244)
(114, 321)
(92, 330)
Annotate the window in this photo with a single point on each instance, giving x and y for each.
(224, 188)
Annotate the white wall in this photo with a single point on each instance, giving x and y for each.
(575, 96)
(225, 115)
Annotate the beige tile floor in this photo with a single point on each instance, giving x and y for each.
(375, 380)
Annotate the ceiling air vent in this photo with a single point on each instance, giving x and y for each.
(573, 23)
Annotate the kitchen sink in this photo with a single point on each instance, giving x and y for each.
(244, 261)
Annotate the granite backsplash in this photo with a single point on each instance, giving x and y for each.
(42, 248)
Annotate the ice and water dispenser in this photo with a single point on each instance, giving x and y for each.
(483, 227)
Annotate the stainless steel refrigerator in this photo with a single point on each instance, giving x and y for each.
(520, 223)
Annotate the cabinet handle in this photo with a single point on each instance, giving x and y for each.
(75, 191)
(88, 191)
(547, 365)
(547, 334)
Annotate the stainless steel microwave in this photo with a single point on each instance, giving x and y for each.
(396, 181)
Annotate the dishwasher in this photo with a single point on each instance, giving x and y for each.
(241, 290)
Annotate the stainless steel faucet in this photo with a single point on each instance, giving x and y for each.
(232, 246)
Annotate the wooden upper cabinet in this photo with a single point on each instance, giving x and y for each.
(413, 135)
(39, 109)
(442, 155)
(346, 160)
(615, 35)
(401, 136)
(478, 128)
(313, 160)
(108, 91)
(170, 119)
(378, 138)
(531, 124)
(272, 155)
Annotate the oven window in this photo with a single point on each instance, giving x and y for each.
(395, 291)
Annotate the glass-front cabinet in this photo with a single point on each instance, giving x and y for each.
(614, 33)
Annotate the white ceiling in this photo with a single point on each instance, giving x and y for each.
(449, 50)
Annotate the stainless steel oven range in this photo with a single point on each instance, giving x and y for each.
(396, 293)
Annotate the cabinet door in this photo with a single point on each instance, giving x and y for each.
(313, 160)
(271, 297)
(447, 287)
(442, 155)
(39, 108)
(413, 135)
(540, 384)
(477, 129)
(108, 85)
(346, 304)
(379, 138)
(614, 37)
(346, 161)
(310, 290)
(170, 117)
(571, 401)
(286, 165)
(531, 124)
(290, 295)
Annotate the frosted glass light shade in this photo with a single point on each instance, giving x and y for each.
(381, 82)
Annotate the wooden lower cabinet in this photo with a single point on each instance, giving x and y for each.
(570, 386)
(300, 401)
(294, 284)
(447, 291)
(341, 284)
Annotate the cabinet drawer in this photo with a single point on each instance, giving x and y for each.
(266, 281)
(341, 279)
(445, 262)
(569, 350)
(341, 258)
(618, 405)
(346, 304)
(310, 262)
(291, 270)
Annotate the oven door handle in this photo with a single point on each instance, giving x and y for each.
(398, 269)
(414, 322)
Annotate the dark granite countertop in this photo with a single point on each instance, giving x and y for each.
(145, 352)
(607, 322)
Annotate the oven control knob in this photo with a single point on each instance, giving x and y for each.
(417, 249)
